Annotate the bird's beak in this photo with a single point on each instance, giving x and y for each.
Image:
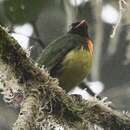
(90, 47)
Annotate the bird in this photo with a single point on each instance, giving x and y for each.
(69, 57)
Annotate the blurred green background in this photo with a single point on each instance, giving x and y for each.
(37, 22)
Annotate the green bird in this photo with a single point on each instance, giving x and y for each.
(69, 57)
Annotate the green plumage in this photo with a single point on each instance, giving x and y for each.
(67, 60)
(54, 53)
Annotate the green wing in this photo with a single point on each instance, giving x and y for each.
(54, 53)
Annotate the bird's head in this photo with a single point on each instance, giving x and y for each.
(81, 28)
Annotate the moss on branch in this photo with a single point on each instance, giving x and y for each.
(42, 91)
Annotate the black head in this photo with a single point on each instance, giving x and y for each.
(80, 28)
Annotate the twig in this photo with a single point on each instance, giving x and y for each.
(87, 88)
(121, 2)
(37, 38)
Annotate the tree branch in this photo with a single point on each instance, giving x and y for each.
(42, 94)
(27, 115)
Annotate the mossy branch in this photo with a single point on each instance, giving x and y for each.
(42, 93)
(27, 115)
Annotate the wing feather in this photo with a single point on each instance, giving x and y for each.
(54, 53)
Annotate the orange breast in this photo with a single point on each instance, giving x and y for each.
(90, 46)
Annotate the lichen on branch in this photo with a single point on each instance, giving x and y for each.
(43, 96)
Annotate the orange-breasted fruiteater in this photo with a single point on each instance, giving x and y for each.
(69, 57)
